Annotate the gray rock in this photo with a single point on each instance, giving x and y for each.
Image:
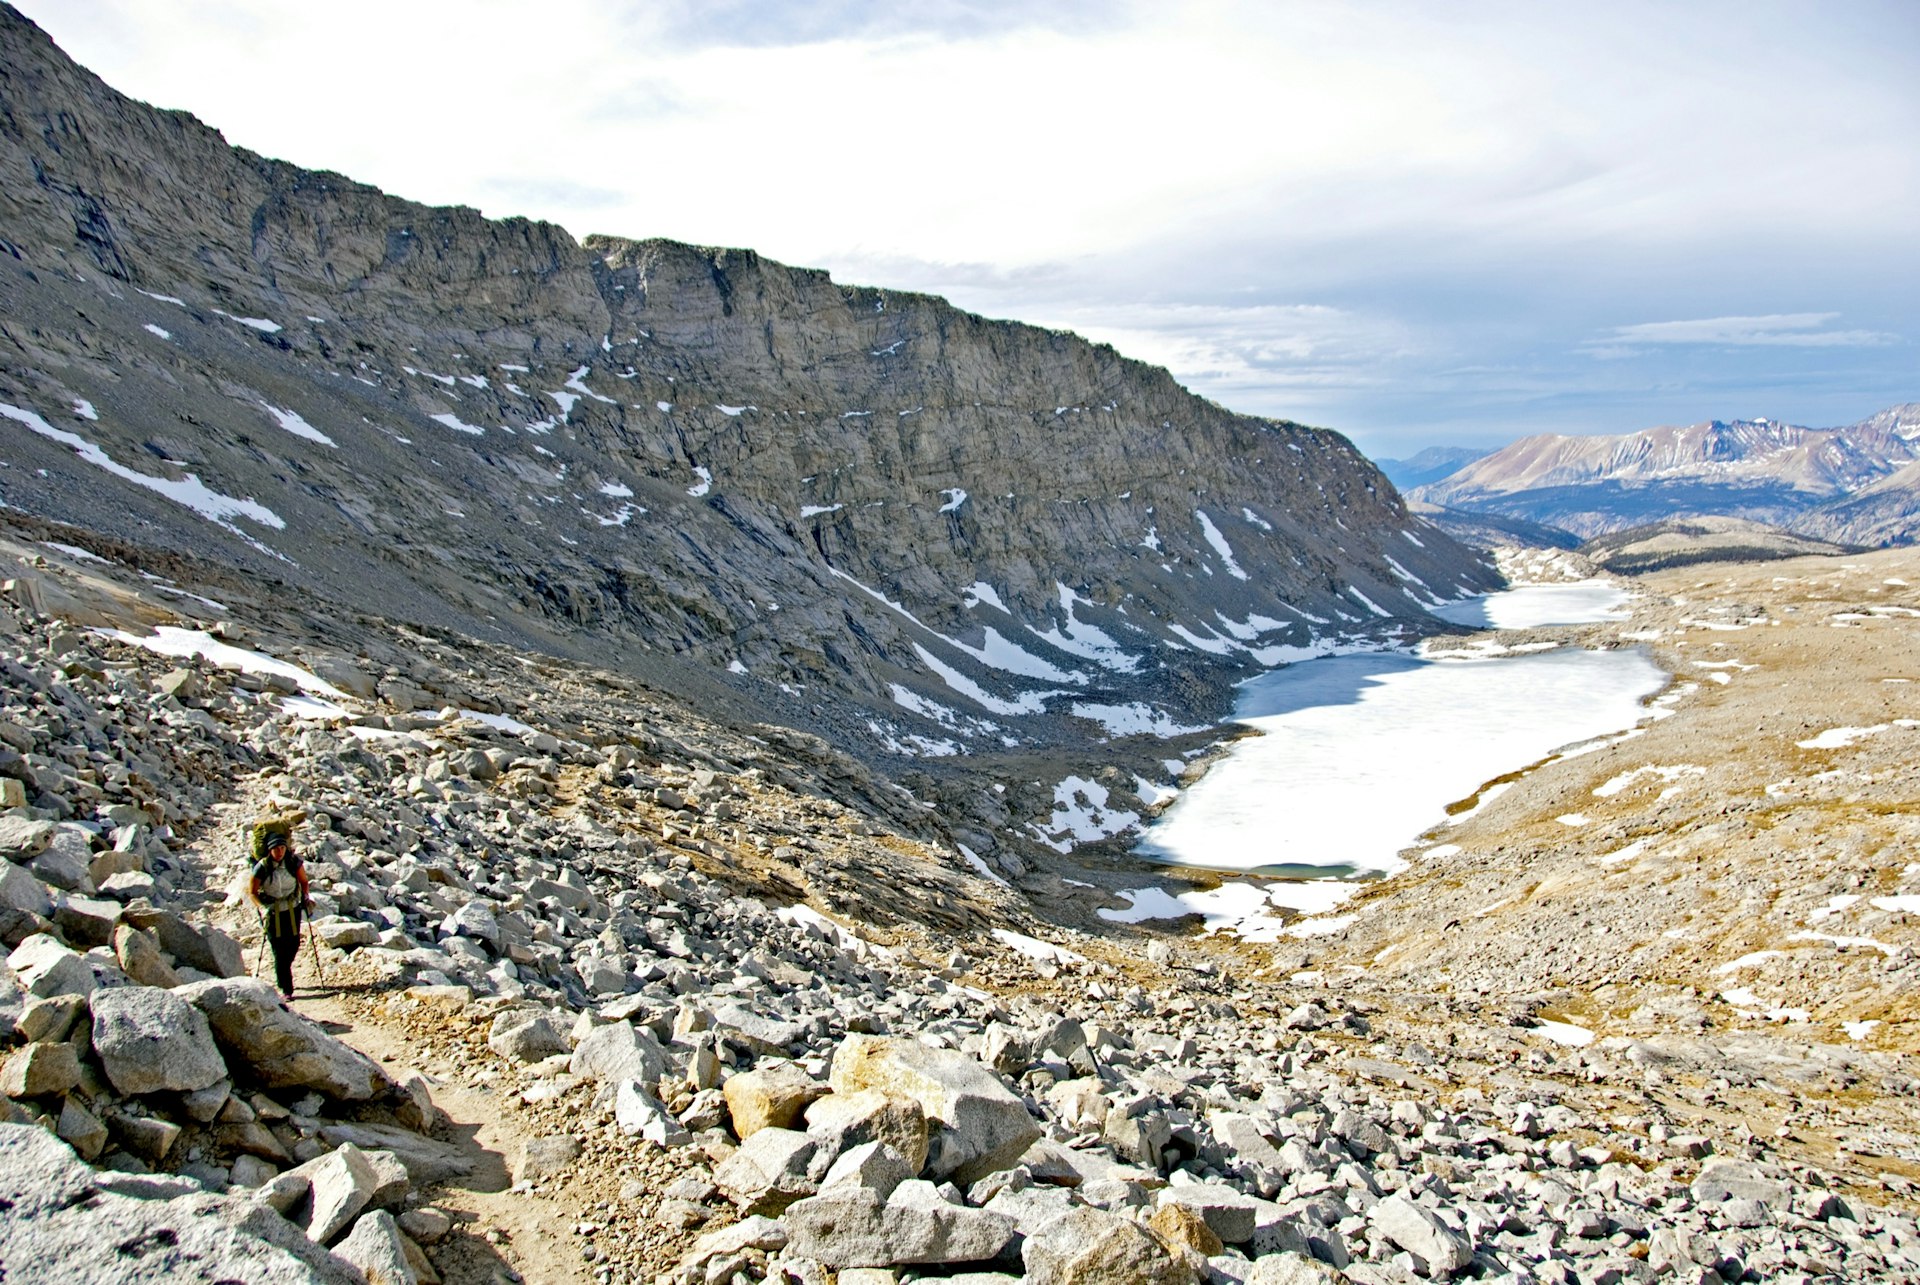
(1093, 1247)
(63, 1225)
(39, 1070)
(46, 967)
(983, 1126)
(1722, 1178)
(763, 1035)
(340, 1184)
(852, 1226)
(285, 1050)
(1292, 1269)
(81, 1129)
(768, 1172)
(545, 1157)
(152, 1041)
(521, 1035)
(21, 891)
(1416, 1230)
(426, 1160)
(140, 958)
(376, 1248)
(843, 1120)
(1227, 1213)
(619, 1051)
(639, 1113)
(21, 840)
(872, 1165)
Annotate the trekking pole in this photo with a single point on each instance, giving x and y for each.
(259, 955)
(314, 945)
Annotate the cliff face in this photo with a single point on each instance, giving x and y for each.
(856, 510)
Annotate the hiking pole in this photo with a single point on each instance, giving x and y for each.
(260, 955)
(314, 944)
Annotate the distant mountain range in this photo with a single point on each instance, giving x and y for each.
(1430, 465)
(1854, 485)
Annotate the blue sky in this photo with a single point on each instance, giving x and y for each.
(1414, 223)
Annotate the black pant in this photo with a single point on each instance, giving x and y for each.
(283, 935)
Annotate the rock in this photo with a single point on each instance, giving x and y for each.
(545, 1157)
(340, 1184)
(1420, 1233)
(619, 1051)
(52, 1018)
(769, 1171)
(64, 862)
(852, 1226)
(152, 1041)
(1093, 1247)
(62, 1225)
(758, 1232)
(21, 891)
(639, 1113)
(284, 1049)
(761, 1035)
(39, 1070)
(1141, 1138)
(872, 1165)
(474, 921)
(427, 1160)
(81, 1129)
(1292, 1269)
(773, 1097)
(45, 967)
(1726, 1179)
(210, 951)
(521, 1035)
(252, 1171)
(1228, 1213)
(982, 1125)
(145, 1136)
(21, 840)
(843, 1120)
(376, 1247)
(86, 921)
(1183, 1228)
(140, 958)
(426, 1224)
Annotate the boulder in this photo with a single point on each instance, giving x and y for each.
(981, 1125)
(852, 1226)
(376, 1247)
(209, 951)
(843, 1120)
(21, 891)
(46, 967)
(39, 1070)
(64, 1225)
(763, 1035)
(770, 1171)
(1725, 1179)
(1093, 1247)
(619, 1051)
(64, 862)
(1229, 1214)
(1182, 1228)
(152, 1041)
(340, 1184)
(140, 958)
(774, 1097)
(639, 1113)
(547, 1156)
(1292, 1269)
(286, 1051)
(524, 1035)
(21, 840)
(81, 1129)
(427, 1160)
(872, 1165)
(1422, 1234)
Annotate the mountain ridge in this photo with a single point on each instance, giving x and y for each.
(1806, 480)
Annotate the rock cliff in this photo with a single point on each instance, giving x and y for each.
(857, 511)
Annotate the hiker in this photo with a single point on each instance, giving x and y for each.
(279, 884)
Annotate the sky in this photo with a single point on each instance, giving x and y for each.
(1415, 223)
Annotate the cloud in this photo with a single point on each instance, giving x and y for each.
(774, 23)
(521, 192)
(1774, 330)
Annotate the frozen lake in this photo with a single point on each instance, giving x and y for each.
(1361, 754)
(1532, 606)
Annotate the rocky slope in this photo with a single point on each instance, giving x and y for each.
(1679, 542)
(1853, 485)
(860, 512)
(612, 1043)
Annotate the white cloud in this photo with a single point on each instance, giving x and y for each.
(1776, 330)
